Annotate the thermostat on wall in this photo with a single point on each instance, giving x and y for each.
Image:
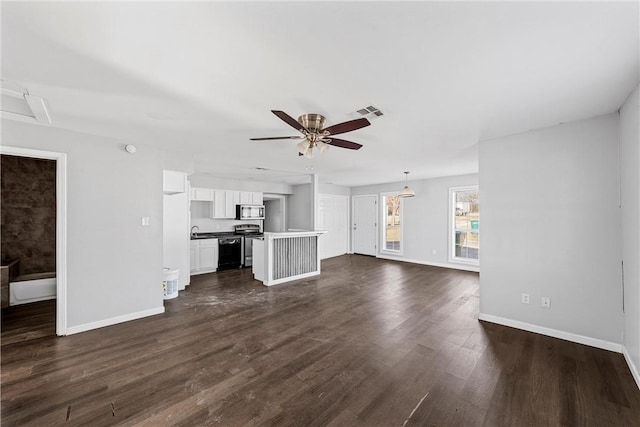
(130, 148)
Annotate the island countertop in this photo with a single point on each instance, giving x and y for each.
(295, 233)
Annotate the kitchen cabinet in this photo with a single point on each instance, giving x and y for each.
(204, 256)
(256, 198)
(224, 204)
(173, 182)
(193, 255)
(245, 198)
(251, 198)
(202, 194)
(208, 256)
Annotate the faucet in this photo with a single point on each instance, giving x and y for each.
(194, 233)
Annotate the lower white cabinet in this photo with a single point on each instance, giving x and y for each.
(204, 256)
(193, 255)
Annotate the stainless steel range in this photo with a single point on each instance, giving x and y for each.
(250, 232)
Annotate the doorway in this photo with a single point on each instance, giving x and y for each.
(56, 220)
(274, 213)
(365, 224)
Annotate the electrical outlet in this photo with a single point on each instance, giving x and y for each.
(546, 302)
(144, 221)
(525, 298)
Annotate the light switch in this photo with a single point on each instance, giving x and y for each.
(145, 221)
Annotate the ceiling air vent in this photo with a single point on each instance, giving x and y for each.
(369, 112)
(17, 102)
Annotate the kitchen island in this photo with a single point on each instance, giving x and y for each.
(283, 257)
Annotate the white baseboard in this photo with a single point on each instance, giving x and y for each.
(433, 264)
(632, 367)
(291, 278)
(568, 336)
(114, 320)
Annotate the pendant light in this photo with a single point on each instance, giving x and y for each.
(406, 191)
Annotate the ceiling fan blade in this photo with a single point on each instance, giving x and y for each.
(347, 126)
(342, 143)
(289, 120)
(276, 137)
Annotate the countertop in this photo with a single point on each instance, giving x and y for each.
(206, 235)
(216, 235)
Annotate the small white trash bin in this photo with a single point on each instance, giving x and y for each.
(170, 282)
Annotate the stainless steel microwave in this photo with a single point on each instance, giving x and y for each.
(249, 212)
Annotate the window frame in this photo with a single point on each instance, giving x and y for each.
(452, 258)
(383, 222)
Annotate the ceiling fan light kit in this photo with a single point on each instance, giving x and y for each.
(406, 191)
(315, 135)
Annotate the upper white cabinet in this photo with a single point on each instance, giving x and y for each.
(245, 198)
(256, 198)
(173, 182)
(202, 194)
(250, 198)
(224, 204)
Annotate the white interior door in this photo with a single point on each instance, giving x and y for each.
(334, 218)
(365, 224)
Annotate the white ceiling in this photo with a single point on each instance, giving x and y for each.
(201, 78)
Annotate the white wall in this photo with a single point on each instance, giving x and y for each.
(426, 217)
(273, 218)
(551, 227)
(239, 185)
(299, 205)
(337, 190)
(630, 185)
(114, 264)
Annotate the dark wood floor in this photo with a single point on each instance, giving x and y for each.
(369, 342)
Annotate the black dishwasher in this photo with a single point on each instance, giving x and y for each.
(229, 252)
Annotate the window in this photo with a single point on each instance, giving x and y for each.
(464, 242)
(392, 221)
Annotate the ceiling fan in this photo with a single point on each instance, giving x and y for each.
(315, 135)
